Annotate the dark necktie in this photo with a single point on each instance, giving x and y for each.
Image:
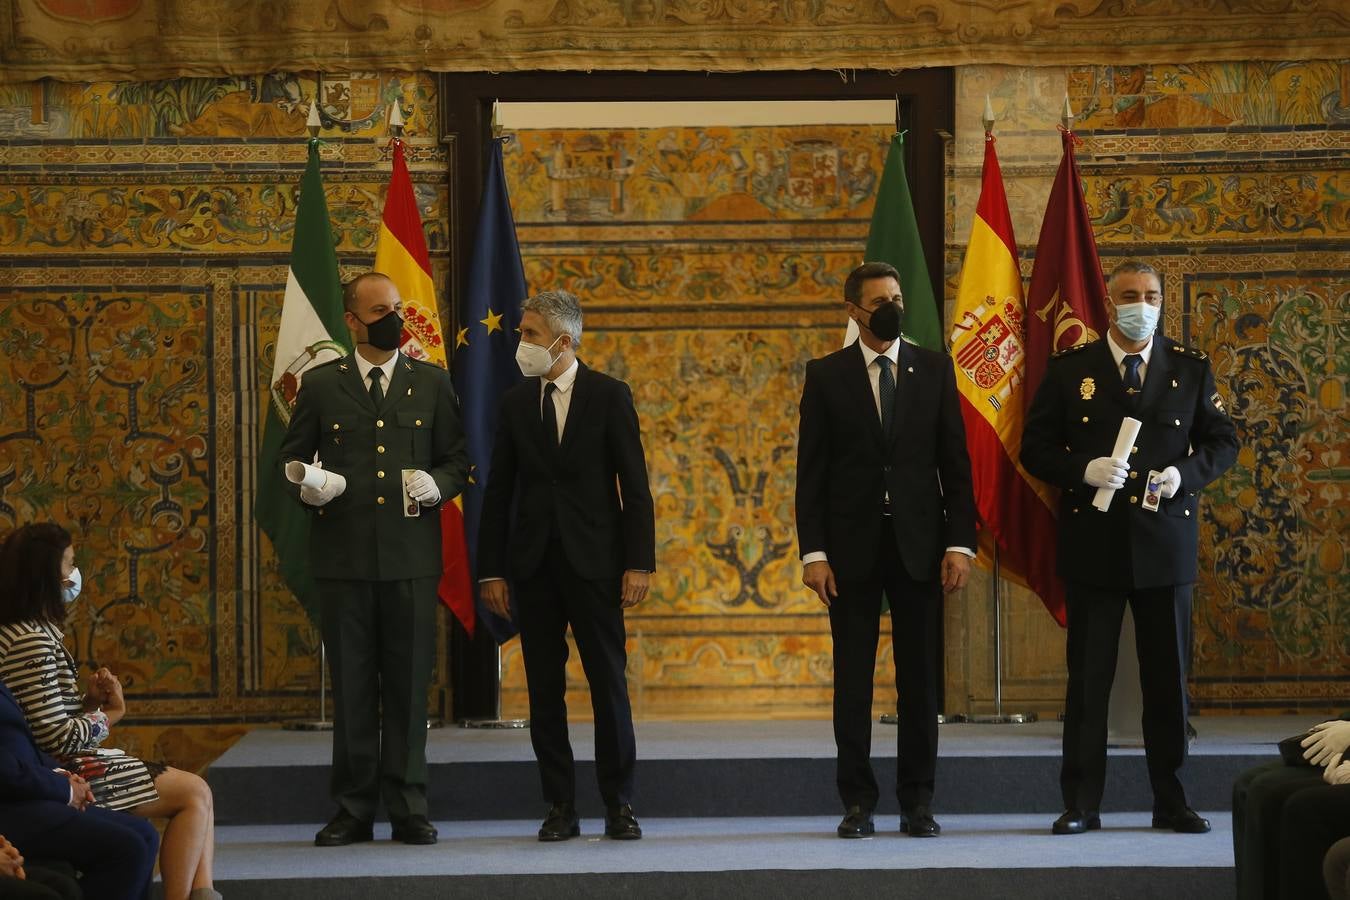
(376, 391)
(1133, 383)
(550, 413)
(887, 384)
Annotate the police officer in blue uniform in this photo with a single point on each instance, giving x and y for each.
(1142, 550)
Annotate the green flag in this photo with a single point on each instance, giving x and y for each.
(894, 238)
(311, 332)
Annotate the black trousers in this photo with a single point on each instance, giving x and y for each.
(855, 626)
(380, 641)
(1259, 797)
(114, 852)
(1310, 822)
(1095, 615)
(547, 603)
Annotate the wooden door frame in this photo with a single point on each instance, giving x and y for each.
(926, 108)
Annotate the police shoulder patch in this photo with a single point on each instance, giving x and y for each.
(1068, 350)
(1192, 352)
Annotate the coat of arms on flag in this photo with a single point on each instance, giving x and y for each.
(989, 347)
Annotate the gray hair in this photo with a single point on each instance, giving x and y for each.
(1134, 266)
(561, 310)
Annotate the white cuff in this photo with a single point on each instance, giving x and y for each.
(966, 550)
(814, 556)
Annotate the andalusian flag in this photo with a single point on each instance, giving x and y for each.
(401, 253)
(312, 332)
(1017, 511)
(894, 238)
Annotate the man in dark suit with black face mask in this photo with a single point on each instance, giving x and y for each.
(884, 503)
(390, 426)
(568, 515)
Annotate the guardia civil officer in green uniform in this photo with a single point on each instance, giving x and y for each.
(1142, 550)
(382, 421)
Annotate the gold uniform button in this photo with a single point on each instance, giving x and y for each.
(379, 423)
(379, 500)
(1085, 418)
(1186, 512)
(1134, 474)
(1134, 449)
(1075, 509)
(379, 449)
(320, 512)
(1134, 499)
(336, 426)
(419, 423)
(1176, 421)
(379, 474)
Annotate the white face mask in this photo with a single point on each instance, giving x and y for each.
(535, 360)
(1137, 320)
(70, 591)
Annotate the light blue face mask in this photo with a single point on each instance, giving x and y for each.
(70, 591)
(1137, 321)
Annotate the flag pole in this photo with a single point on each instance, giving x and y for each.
(996, 575)
(312, 124)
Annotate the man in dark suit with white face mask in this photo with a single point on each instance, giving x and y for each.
(884, 503)
(568, 517)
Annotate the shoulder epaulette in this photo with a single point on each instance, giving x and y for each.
(326, 363)
(1189, 351)
(1074, 349)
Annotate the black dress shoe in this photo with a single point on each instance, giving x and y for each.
(621, 825)
(1182, 821)
(344, 829)
(919, 822)
(1075, 821)
(560, 823)
(415, 830)
(857, 823)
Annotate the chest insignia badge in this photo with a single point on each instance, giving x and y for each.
(1087, 389)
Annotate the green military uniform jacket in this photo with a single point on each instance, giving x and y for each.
(363, 535)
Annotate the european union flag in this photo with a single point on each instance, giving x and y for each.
(485, 351)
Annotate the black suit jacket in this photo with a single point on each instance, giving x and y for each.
(363, 534)
(845, 467)
(1074, 419)
(33, 798)
(591, 491)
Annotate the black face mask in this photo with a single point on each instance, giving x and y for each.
(884, 322)
(385, 332)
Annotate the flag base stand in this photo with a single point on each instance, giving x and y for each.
(999, 717)
(1003, 719)
(494, 723)
(322, 723)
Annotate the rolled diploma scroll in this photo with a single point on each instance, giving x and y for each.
(309, 476)
(1129, 430)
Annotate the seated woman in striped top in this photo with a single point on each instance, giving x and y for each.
(37, 570)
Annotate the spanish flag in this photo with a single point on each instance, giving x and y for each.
(989, 350)
(401, 253)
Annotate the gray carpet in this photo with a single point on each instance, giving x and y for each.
(1008, 856)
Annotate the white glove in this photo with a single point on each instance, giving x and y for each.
(321, 495)
(1106, 472)
(422, 488)
(1327, 742)
(1169, 483)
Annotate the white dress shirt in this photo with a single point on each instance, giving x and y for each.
(870, 357)
(1119, 354)
(364, 366)
(562, 396)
